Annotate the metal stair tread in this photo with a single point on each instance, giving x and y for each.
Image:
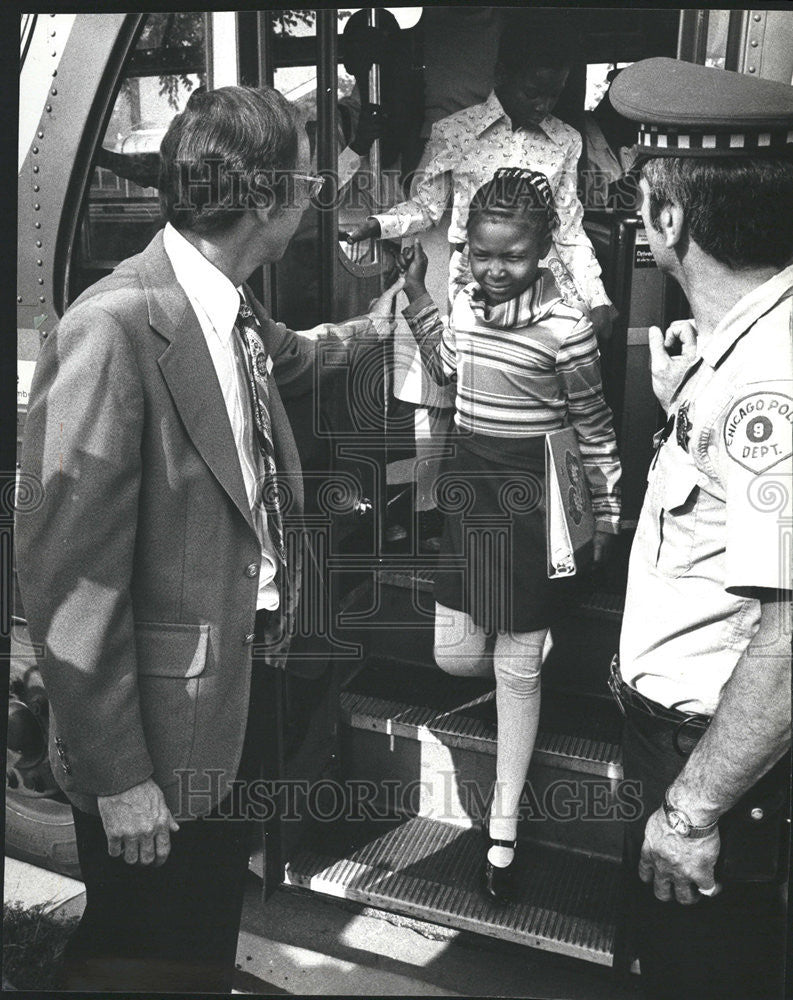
(394, 718)
(429, 869)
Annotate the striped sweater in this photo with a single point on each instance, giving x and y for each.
(522, 368)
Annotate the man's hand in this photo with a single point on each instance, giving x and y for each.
(677, 866)
(367, 230)
(381, 311)
(138, 824)
(671, 355)
(603, 543)
(412, 261)
(600, 317)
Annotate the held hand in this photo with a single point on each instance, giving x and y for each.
(381, 311)
(138, 824)
(603, 543)
(370, 229)
(600, 317)
(671, 355)
(679, 868)
(412, 261)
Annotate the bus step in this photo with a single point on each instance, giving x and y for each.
(461, 729)
(430, 870)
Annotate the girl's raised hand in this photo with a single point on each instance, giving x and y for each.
(412, 262)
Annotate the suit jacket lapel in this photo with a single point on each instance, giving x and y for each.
(187, 368)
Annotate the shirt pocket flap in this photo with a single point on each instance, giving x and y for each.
(171, 649)
(678, 485)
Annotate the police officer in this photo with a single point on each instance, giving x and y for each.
(705, 647)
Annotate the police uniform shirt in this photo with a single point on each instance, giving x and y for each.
(717, 516)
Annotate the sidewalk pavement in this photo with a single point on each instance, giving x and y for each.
(305, 944)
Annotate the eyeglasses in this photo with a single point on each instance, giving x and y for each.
(315, 184)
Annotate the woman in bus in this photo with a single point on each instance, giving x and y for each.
(524, 363)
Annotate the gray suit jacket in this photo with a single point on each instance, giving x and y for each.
(135, 570)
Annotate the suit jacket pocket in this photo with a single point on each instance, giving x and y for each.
(171, 658)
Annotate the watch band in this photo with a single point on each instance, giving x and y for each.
(682, 825)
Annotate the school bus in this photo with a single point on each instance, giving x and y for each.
(414, 753)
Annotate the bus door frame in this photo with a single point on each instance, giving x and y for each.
(327, 153)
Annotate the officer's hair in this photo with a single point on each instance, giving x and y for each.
(230, 150)
(739, 211)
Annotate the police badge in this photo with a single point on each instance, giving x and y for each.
(683, 426)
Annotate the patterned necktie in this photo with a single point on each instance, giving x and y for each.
(257, 359)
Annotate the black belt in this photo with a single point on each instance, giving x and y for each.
(690, 725)
(268, 623)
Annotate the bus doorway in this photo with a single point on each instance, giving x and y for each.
(400, 756)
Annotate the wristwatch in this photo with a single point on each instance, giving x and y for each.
(682, 825)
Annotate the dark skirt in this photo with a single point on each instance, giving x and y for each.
(493, 562)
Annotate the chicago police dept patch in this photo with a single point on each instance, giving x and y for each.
(757, 431)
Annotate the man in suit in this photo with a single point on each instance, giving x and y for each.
(154, 564)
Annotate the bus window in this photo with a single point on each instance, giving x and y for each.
(121, 213)
(294, 60)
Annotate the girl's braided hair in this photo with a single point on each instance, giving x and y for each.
(512, 191)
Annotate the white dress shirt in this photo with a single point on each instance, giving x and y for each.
(216, 303)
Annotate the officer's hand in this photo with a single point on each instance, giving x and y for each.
(138, 824)
(678, 867)
(603, 543)
(381, 311)
(367, 230)
(671, 355)
(600, 317)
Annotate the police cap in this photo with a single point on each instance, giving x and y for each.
(685, 109)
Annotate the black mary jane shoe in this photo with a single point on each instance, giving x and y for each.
(499, 883)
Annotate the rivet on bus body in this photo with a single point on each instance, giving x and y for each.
(39, 263)
(19, 298)
(38, 243)
(54, 92)
(35, 168)
(751, 69)
(37, 225)
(55, 72)
(36, 187)
(754, 43)
(42, 299)
(35, 150)
(40, 281)
(36, 207)
(758, 17)
(757, 813)
(40, 134)
(49, 109)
